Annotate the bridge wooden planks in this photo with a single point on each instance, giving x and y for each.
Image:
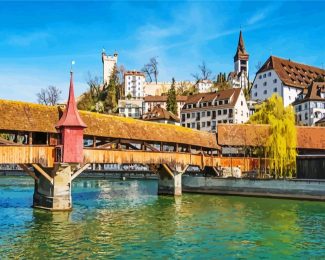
(147, 157)
(44, 155)
(17, 154)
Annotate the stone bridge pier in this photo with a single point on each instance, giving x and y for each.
(170, 179)
(52, 189)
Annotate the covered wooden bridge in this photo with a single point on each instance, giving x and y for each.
(59, 143)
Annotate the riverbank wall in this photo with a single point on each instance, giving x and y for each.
(293, 189)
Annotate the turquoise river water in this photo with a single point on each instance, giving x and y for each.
(127, 220)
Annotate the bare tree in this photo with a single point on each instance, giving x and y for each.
(49, 96)
(147, 71)
(258, 65)
(154, 66)
(151, 70)
(204, 74)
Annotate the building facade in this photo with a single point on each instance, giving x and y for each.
(239, 77)
(130, 108)
(134, 84)
(160, 115)
(150, 102)
(205, 111)
(204, 86)
(284, 77)
(109, 62)
(310, 105)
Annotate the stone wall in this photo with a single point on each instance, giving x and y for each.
(296, 189)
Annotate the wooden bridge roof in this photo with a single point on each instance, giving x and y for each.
(255, 135)
(23, 116)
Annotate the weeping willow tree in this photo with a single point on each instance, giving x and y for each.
(282, 141)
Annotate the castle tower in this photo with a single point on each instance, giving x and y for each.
(71, 128)
(109, 63)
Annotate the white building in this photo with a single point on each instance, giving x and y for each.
(204, 86)
(109, 62)
(205, 111)
(239, 77)
(150, 102)
(284, 77)
(134, 84)
(130, 108)
(310, 104)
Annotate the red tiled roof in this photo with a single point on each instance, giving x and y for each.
(292, 73)
(256, 135)
(313, 93)
(159, 113)
(163, 98)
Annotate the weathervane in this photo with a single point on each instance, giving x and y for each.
(72, 63)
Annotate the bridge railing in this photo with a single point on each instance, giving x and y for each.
(26, 154)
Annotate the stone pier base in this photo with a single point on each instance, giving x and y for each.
(54, 192)
(169, 181)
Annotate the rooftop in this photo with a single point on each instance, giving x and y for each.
(29, 117)
(292, 73)
(159, 113)
(163, 98)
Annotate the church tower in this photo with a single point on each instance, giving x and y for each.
(241, 57)
(241, 62)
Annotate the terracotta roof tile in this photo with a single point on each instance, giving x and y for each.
(292, 73)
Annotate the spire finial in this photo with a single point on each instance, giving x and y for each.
(71, 68)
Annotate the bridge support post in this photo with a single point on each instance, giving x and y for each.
(53, 191)
(169, 181)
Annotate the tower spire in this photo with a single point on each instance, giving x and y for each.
(241, 53)
(71, 115)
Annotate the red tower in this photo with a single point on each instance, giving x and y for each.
(71, 128)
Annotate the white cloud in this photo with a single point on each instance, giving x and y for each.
(24, 40)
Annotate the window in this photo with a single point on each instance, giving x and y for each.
(219, 112)
(235, 111)
(226, 101)
(242, 113)
(306, 116)
(188, 125)
(275, 90)
(183, 117)
(208, 123)
(265, 92)
(265, 83)
(193, 125)
(183, 125)
(241, 103)
(260, 76)
(255, 94)
(209, 104)
(275, 81)
(209, 113)
(225, 121)
(299, 108)
(219, 121)
(225, 111)
(269, 74)
(264, 76)
(220, 102)
(299, 117)
(289, 97)
(188, 115)
(255, 86)
(203, 124)
(203, 114)
(193, 115)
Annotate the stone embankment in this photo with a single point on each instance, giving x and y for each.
(293, 189)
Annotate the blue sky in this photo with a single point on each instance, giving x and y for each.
(39, 39)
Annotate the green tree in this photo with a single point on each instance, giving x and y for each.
(281, 144)
(112, 92)
(171, 99)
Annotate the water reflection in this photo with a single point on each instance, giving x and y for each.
(126, 219)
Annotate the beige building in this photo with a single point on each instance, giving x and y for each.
(157, 89)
